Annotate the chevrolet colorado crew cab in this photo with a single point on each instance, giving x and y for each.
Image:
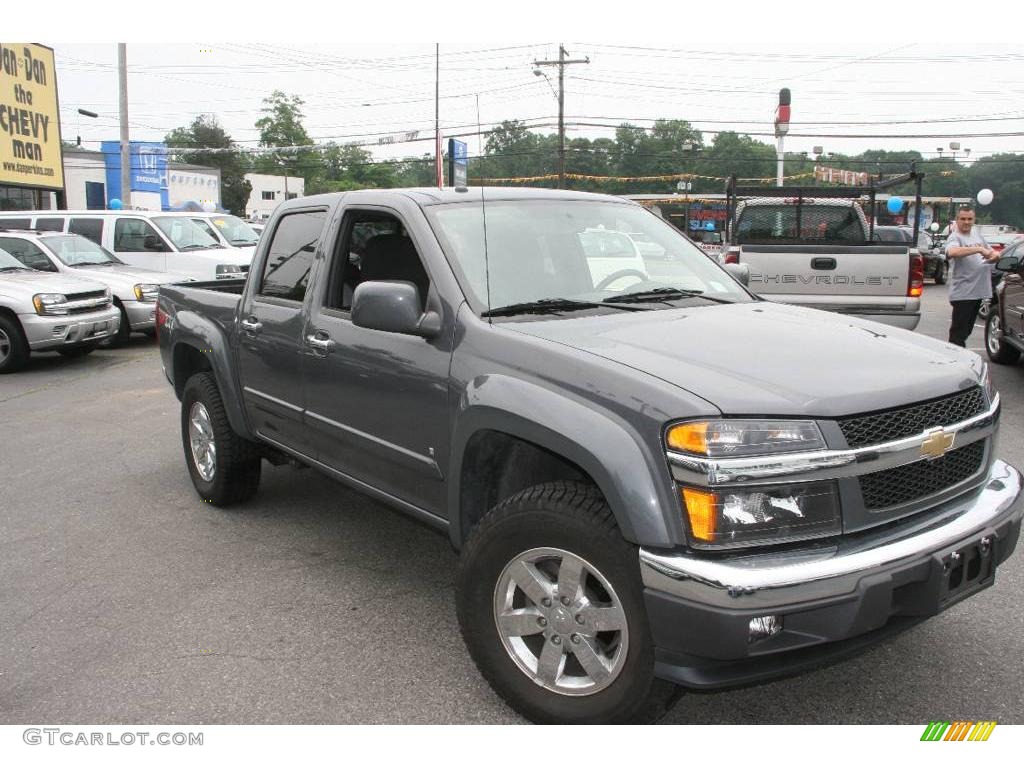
(40, 312)
(656, 480)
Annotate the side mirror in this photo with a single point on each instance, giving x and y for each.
(740, 272)
(1008, 264)
(152, 243)
(393, 306)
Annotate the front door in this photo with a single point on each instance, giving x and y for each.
(1013, 294)
(270, 331)
(376, 401)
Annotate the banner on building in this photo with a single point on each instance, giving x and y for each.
(30, 148)
(839, 176)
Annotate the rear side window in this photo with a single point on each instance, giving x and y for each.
(28, 253)
(818, 223)
(290, 255)
(50, 225)
(16, 223)
(90, 228)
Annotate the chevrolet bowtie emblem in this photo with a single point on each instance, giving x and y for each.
(937, 443)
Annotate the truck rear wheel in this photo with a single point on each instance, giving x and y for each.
(14, 351)
(551, 606)
(225, 467)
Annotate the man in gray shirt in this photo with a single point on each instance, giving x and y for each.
(971, 282)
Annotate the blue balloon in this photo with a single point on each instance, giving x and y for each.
(895, 205)
(116, 205)
(709, 226)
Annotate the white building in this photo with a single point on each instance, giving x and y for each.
(192, 183)
(269, 190)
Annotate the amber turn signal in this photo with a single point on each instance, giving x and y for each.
(692, 438)
(701, 509)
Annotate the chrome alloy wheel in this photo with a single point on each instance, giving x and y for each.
(5, 346)
(200, 437)
(994, 337)
(561, 622)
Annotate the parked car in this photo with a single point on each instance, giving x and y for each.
(42, 312)
(230, 231)
(612, 257)
(999, 243)
(676, 484)
(818, 252)
(1004, 326)
(935, 264)
(162, 242)
(134, 289)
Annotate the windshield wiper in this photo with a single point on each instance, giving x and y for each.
(16, 269)
(243, 242)
(663, 294)
(197, 246)
(550, 306)
(93, 264)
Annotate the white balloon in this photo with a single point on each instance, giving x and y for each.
(985, 197)
(209, 206)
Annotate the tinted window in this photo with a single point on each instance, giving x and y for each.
(16, 223)
(821, 223)
(91, 228)
(50, 225)
(130, 236)
(28, 253)
(290, 255)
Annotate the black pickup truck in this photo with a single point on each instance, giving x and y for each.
(656, 480)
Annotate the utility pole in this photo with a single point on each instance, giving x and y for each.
(437, 116)
(126, 167)
(561, 63)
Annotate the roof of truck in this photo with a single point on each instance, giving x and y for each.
(435, 196)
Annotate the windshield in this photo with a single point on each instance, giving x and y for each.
(185, 233)
(541, 249)
(74, 250)
(235, 231)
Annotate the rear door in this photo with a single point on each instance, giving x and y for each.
(270, 327)
(818, 257)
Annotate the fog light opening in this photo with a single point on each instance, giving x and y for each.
(764, 627)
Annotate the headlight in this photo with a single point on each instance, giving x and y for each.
(45, 303)
(146, 291)
(727, 438)
(762, 515)
(225, 271)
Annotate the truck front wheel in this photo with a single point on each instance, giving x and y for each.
(225, 467)
(551, 606)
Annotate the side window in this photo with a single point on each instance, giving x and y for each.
(16, 223)
(290, 255)
(376, 247)
(136, 235)
(28, 253)
(268, 196)
(50, 224)
(90, 228)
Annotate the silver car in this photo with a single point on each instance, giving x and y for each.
(134, 288)
(41, 312)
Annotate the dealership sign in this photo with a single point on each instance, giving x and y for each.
(30, 149)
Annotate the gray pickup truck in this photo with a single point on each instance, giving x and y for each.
(656, 480)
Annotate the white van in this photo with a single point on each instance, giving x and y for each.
(164, 242)
(230, 231)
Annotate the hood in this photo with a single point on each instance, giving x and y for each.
(31, 282)
(125, 273)
(762, 358)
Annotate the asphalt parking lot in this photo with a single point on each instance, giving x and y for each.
(126, 599)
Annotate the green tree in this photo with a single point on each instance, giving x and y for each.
(205, 133)
(281, 126)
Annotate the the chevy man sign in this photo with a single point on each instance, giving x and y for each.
(30, 149)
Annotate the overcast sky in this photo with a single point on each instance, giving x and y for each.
(879, 70)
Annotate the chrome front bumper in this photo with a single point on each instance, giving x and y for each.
(141, 314)
(830, 571)
(49, 332)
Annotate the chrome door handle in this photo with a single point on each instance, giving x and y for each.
(320, 344)
(252, 326)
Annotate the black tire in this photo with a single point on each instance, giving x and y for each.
(73, 352)
(573, 517)
(14, 351)
(237, 465)
(941, 270)
(998, 350)
(151, 332)
(124, 331)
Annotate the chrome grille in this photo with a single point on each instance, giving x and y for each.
(86, 295)
(895, 424)
(891, 487)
